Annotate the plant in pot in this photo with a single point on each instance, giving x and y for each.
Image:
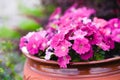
(73, 46)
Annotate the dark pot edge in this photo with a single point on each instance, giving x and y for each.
(71, 63)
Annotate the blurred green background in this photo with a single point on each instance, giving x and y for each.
(18, 17)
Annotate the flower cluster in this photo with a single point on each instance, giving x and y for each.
(72, 34)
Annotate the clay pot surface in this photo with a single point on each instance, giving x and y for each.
(40, 69)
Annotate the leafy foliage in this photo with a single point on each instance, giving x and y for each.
(29, 25)
(11, 63)
(8, 33)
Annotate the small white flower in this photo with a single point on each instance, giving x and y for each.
(48, 55)
(86, 20)
(24, 50)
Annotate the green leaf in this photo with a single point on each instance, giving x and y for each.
(99, 56)
(74, 56)
(8, 33)
(50, 8)
(29, 25)
(7, 46)
(1, 70)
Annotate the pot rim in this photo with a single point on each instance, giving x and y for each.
(71, 63)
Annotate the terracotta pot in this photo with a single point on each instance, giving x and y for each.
(39, 69)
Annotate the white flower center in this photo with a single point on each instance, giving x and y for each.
(63, 48)
(73, 25)
(57, 16)
(118, 35)
(34, 46)
(43, 44)
(116, 25)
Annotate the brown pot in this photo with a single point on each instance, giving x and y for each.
(39, 69)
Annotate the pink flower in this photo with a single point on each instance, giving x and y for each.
(86, 20)
(41, 39)
(73, 32)
(89, 28)
(68, 21)
(42, 33)
(83, 12)
(50, 33)
(56, 39)
(81, 33)
(65, 23)
(105, 42)
(105, 31)
(23, 42)
(111, 43)
(29, 35)
(87, 55)
(62, 48)
(36, 43)
(116, 35)
(114, 23)
(95, 38)
(81, 46)
(56, 14)
(104, 46)
(43, 44)
(63, 61)
(32, 46)
(99, 22)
